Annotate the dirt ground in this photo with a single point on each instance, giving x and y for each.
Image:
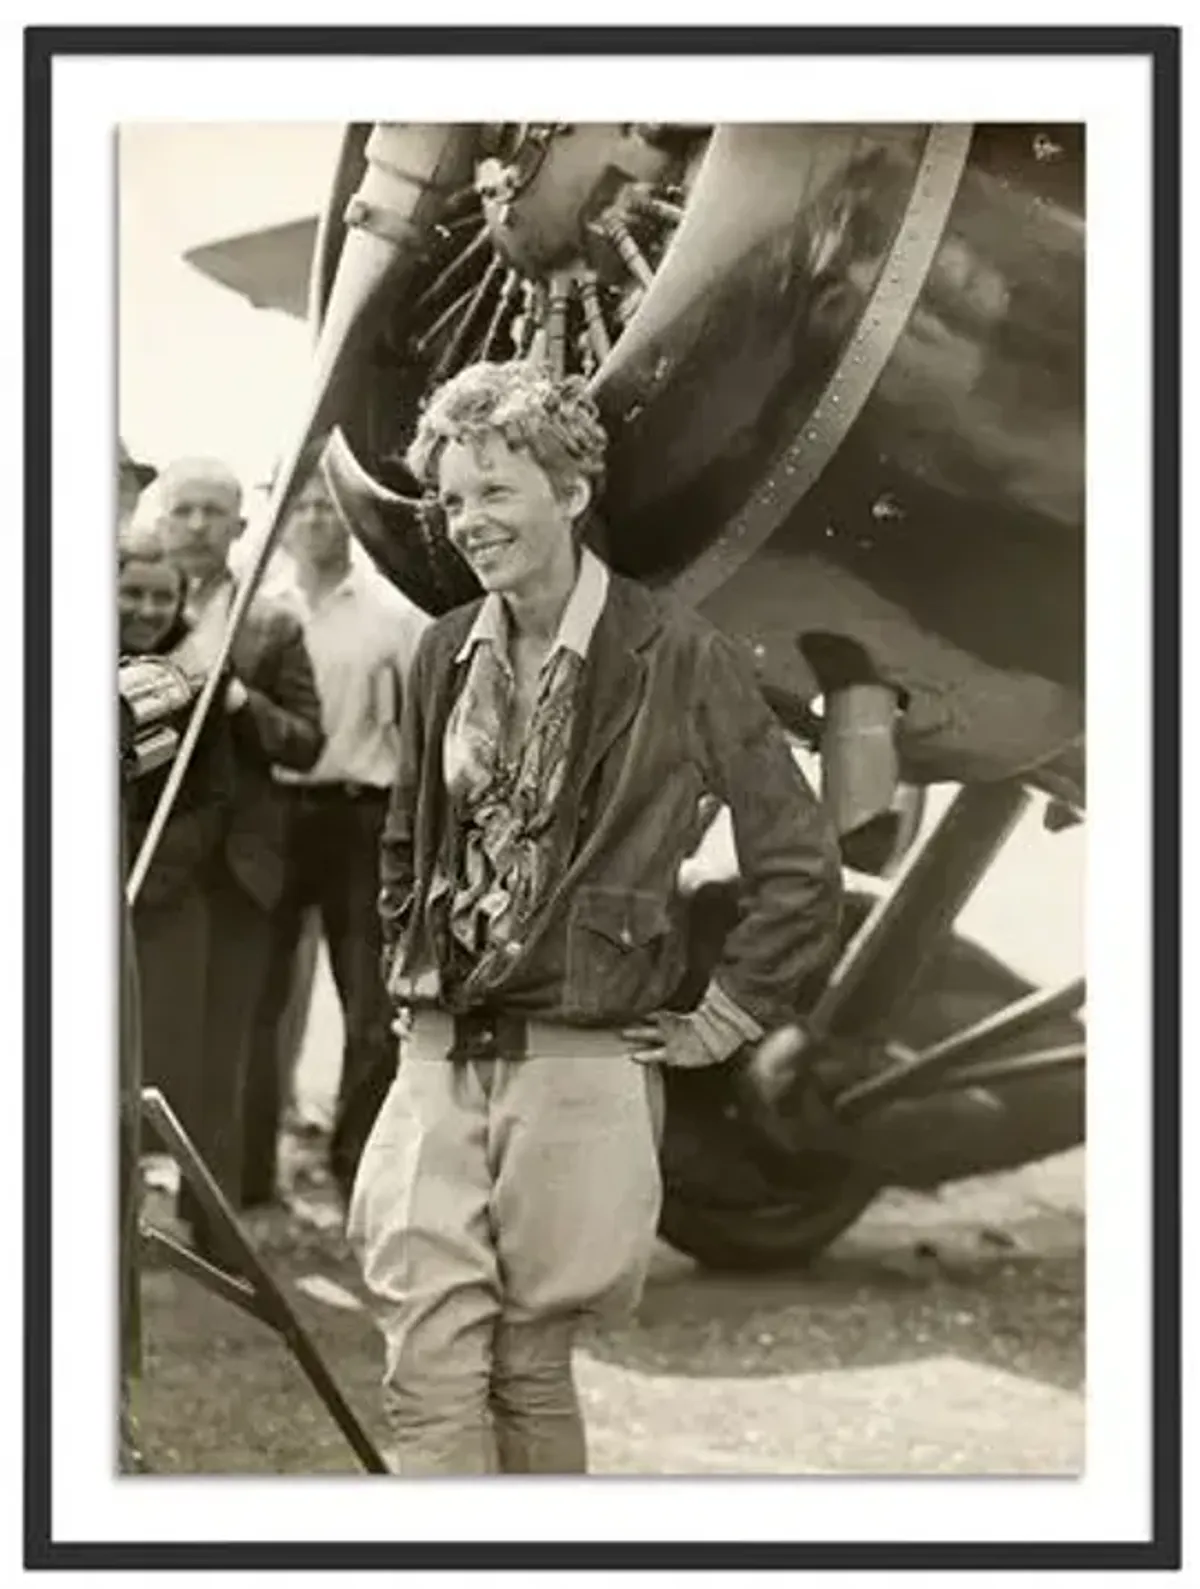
(940, 1334)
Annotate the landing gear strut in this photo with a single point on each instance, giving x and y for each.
(922, 1060)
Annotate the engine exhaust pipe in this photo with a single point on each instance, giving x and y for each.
(408, 168)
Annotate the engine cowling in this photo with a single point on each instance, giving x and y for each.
(842, 372)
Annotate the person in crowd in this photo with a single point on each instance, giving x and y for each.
(361, 634)
(132, 480)
(273, 717)
(558, 737)
(151, 596)
(170, 919)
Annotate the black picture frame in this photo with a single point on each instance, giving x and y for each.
(1160, 46)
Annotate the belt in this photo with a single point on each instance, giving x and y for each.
(334, 789)
(502, 1034)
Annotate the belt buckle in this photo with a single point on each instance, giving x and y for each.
(485, 1039)
(475, 1037)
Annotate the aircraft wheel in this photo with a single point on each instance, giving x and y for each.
(732, 1200)
(774, 1236)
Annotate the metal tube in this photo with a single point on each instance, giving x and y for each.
(157, 1244)
(1042, 1062)
(504, 303)
(258, 1292)
(526, 325)
(445, 365)
(423, 343)
(912, 1079)
(537, 348)
(882, 961)
(478, 242)
(1014, 1020)
(860, 765)
(594, 316)
(662, 209)
(556, 325)
(623, 240)
(937, 1068)
(129, 1115)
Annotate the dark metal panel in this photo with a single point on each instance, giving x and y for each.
(270, 268)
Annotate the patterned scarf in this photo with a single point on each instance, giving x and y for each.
(506, 798)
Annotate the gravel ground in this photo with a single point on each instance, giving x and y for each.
(991, 1270)
(988, 1276)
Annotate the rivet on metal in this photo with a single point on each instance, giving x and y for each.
(897, 289)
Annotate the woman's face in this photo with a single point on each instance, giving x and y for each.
(148, 597)
(505, 518)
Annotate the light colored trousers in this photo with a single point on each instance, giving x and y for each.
(499, 1204)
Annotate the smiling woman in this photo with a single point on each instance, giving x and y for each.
(504, 517)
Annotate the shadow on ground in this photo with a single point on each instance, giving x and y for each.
(222, 1394)
(990, 1274)
(1022, 1314)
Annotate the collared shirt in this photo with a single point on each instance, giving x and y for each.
(575, 630)
(609, 945)
(575, 627)
(361, 636)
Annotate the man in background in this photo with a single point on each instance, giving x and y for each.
(361, 634)
(132, 480)
(270, 702)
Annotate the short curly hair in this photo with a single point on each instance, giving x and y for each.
(553, 419)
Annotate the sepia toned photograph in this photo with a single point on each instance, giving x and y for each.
(763, 448)
(602, 856)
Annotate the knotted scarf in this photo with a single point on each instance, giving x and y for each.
(506, 798)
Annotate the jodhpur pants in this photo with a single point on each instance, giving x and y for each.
(500, 1203)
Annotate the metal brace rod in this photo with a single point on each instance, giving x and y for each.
(258, 1293)
(1013, 1020)
(156, 1243)
(943, 1059)
(1042, 1062)
(914, 1080)
(877, 970)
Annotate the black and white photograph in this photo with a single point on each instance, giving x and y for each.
(633, 944)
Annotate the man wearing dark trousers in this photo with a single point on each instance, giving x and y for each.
(361, 634)
(273, 717)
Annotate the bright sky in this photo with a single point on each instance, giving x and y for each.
(200, 371)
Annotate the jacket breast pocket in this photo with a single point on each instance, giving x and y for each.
(622, 945)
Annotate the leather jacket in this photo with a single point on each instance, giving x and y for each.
(668, 711)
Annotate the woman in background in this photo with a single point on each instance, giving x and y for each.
(171, 918)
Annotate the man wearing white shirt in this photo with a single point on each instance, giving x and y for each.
(361, 634)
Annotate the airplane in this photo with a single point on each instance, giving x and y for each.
(842, 372)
